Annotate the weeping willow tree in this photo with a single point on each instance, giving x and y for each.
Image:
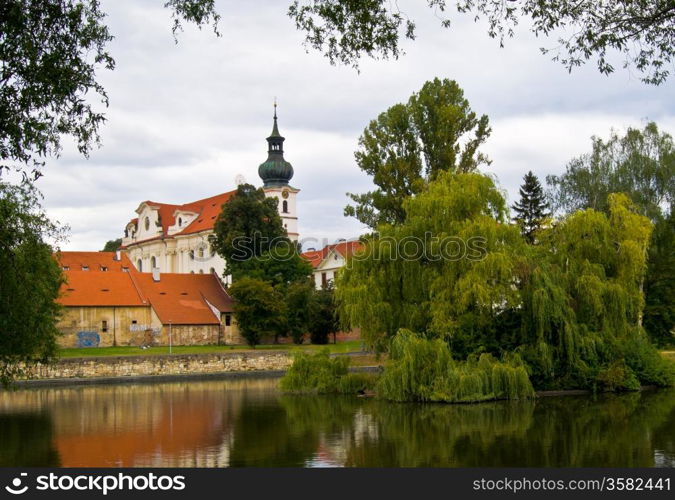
(455, 270)
(447, 271)
(583, 301)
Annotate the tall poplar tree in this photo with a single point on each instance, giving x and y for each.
(410, 144)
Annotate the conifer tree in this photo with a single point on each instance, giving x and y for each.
(532, 208)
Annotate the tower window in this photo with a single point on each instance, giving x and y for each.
(285, 206)
(139, 265)
(153, 262)
(146, 223)
(180, 221)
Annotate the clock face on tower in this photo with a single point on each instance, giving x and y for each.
(284, 194)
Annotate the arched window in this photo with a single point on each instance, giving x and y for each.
(146, 223)
(139, 265)
(153, 262)
(201, 271)
(285, 206)
(201, 252)
(212, 270)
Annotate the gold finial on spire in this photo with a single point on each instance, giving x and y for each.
(275, 106)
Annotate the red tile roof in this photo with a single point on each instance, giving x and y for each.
(100, 288)
(344, 248)
(95, 261)
(207, 209)
(181, 298)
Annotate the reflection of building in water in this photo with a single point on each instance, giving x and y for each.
(334, 447)
(153, 425)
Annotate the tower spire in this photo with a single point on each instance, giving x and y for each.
(276, 171)
(275, 128)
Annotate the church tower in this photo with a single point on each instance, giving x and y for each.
(276, 173)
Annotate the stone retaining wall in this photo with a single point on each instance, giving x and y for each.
(179, 364)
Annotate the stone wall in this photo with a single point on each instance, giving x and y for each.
(178, 364)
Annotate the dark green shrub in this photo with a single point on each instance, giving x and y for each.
(320, 374)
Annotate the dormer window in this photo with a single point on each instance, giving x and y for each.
(66, 268)
(85, 268)
(146, 223)
(104, 268)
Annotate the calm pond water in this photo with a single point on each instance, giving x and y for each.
(249, 423)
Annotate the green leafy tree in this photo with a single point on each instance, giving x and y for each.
(298, 295)
(532, 208)
(30, 279)
(642, 31)
(323, 315)
(259, 308)
(248, 226)
(570, 306)
(281, 265)
(659, 285)
(50, 52)
(112, 245)
(448, 270)
(640, 164)
(410, 144)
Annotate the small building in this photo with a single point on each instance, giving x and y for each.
(327, 261)
(107, 302)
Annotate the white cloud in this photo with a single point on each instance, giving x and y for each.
(186, 118)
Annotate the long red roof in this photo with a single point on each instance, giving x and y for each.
(207, 209)
(95, 261)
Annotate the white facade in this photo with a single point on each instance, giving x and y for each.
(182, 250)
(325, 272)
(286, 196)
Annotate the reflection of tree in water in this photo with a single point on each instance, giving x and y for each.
(26, 440)
(664, 434)
(266, 436)
(609, 431)
(438, 435)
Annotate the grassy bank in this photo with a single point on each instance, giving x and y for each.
(340, 347)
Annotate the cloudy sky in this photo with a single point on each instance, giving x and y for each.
(185, 119)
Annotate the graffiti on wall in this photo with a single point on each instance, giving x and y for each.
(88, 339)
